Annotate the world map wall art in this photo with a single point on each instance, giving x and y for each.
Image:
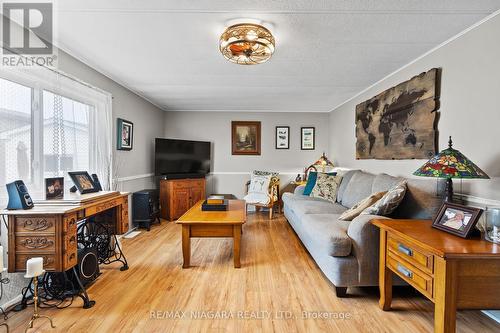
(401, 122)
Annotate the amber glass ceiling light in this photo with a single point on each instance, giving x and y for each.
(247, 44)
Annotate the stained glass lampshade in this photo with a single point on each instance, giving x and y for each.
(450, 163)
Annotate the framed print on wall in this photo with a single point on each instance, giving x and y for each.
(245, 137)
(307, 138)
(282, 137)
(125, 134)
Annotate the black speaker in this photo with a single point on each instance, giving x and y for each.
(145, 208)
(88, 265)
(19, 197)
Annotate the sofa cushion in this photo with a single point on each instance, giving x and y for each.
(384, 182)
(389, 202)
(330, 234)
(422, 200)
(346, 178)
(358, 188)
(302, 207)
(326, 187)
(355, 210)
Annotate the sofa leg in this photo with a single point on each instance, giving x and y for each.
(341, 292)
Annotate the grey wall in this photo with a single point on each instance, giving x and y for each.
(470, 110)
(231, 172)
(148, 123)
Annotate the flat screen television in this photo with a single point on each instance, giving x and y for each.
(181, 158)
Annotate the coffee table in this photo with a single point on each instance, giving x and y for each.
(197, 223)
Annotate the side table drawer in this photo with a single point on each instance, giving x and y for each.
(415, 256)
(409, 273)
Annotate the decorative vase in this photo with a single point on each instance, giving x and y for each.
(492, 225)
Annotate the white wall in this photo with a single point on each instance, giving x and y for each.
(148, 124)
(470, 109)
(230, 172)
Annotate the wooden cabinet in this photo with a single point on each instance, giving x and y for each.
(178, 195)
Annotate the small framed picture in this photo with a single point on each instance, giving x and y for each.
(54, 188)
(282, 137)
(125, 135)
(307, 138)
(83, 182)
(457, 219)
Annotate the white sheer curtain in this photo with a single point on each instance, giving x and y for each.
(51, 123)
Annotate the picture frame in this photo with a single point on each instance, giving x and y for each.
(245, 137)
(125, 134)
(457, 219)
(282, 137)
(54, 188)
(307, 138)
(83, 182)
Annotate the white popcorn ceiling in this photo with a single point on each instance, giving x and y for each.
(326, 51)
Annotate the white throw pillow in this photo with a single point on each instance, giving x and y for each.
(389, 202)
(258, 190)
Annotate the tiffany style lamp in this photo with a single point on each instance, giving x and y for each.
(449, 164)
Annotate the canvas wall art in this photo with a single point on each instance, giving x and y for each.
(401, 122)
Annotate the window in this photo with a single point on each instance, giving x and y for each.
(49, 125)
(15, 131)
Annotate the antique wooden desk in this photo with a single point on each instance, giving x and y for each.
(452, 272)
(50, 230)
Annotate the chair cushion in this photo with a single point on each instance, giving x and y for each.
(358, 188)
(326, 187)
(329, 233)
(389, 202)
(355, 210)
(258, 190)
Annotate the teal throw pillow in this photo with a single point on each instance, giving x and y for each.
(311, 181)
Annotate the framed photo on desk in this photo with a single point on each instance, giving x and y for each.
(83, 182)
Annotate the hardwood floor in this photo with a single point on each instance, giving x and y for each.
(276, 284)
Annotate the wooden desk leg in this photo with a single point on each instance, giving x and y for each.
(385, 275)
(186, 245)
(445, 300)
(236, 245)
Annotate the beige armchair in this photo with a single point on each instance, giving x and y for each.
(274, 189)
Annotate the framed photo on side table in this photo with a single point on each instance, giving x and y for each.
(282, 137)
(307, 139)
(83, 182)
(457, 219)
(125, 134)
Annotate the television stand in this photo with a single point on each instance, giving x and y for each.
(178, 195)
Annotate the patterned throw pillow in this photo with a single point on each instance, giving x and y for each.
(356, 210)
(389, 202)
(311, 181)
(326, 187)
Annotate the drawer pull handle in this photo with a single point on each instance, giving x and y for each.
(405, 250)
(405, 271)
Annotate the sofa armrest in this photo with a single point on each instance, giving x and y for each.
(299, 190)
(365, 246)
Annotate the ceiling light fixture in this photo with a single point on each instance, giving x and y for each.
(247, 44)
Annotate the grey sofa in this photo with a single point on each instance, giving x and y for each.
(347, 251)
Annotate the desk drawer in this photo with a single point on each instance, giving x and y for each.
(415, 256)
(49, 261)
(69, 224)
(35, 243)
(35, 224)
(411, 274)
(70, 242)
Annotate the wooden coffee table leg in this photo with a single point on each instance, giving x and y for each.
(236, 245)
(186, 245)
